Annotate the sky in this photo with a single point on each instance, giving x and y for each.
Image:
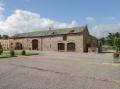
(18, 16)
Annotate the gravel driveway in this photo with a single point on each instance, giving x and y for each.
(53, 70)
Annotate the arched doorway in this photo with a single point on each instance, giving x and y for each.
(61, 47)
(35, 44)
(18, 46)
(71, 47)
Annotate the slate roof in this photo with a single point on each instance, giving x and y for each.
(50, 32)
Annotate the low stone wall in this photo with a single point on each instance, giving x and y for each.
(93, 49)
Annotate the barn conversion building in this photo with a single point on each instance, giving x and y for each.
(76, 39)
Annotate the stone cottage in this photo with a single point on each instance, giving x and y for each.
(76, 39)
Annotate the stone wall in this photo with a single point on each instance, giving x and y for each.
(50, 43)
(89, 41)
(4, 43)
(7, 43)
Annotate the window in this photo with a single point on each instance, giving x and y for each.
(11, 43)
(65, 37)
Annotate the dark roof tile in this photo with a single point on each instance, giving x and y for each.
(50, 32)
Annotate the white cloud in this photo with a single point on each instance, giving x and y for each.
(25, 21)
(90, 19)
(103, 30)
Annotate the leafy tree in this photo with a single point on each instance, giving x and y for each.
(117, 44)
(110, 38)
(117, 34)
(5, 36)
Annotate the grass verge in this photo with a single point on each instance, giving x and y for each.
(6, 54)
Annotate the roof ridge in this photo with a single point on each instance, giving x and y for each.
(50, 32)
(54, 29)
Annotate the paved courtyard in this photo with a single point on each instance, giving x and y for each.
(53, 70)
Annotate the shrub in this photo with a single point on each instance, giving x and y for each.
(1, 49)
(12, 53)
(116, 55)
(23, 52)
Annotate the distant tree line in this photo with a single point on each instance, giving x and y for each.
(113, 39)
(4, 37)
(109, 40)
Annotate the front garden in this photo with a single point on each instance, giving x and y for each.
(16, 53)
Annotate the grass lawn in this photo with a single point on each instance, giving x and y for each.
(6, 54)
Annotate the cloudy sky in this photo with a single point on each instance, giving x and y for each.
(18, 16)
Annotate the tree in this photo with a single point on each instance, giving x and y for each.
(110, 38)
(5, 36)
(117, 44)
(117, 34)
